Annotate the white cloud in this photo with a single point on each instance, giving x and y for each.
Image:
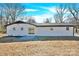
(42, 18)
(38, 18)
(51, 9)
(28, 10)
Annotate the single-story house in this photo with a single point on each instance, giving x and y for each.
(20, 28)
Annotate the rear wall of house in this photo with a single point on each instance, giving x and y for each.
(18, 31)
(54, 31)
(38, 31)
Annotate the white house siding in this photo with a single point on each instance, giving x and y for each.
(18, 31)
(39, 31)
(57, 31)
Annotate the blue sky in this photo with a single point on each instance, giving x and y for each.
(41, 11)
(34, 9)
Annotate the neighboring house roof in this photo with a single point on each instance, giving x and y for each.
(43, 24)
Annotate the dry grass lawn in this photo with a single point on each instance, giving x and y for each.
(40, 48)
(1, 34)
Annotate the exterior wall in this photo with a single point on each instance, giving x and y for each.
(39, 31)
(57, 31)
(18, 31)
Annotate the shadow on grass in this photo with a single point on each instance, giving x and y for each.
(9, 39)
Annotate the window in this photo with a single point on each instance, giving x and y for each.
(22, 28)
(14, 28)
(51, 29)
(31, 30)
(67, 28)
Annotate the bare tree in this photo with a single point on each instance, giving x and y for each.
(48, 20)
(60, 13)
(56, 18)
(1, 16)
(69, 19)
(31, 20)
(13, 10)
(74, 10)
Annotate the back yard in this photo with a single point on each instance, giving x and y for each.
(49, 47)
(40, 48)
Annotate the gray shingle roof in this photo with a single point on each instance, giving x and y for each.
(43, 24)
